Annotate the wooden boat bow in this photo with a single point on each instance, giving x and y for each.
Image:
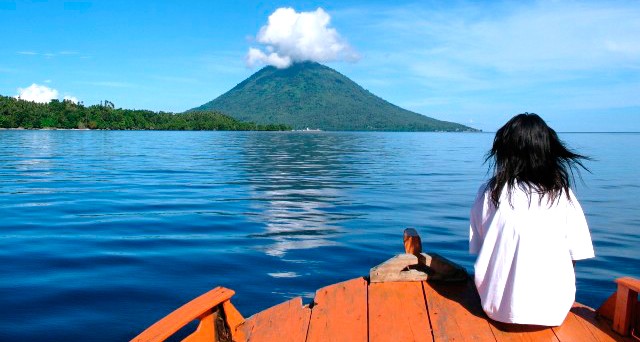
(399, 302)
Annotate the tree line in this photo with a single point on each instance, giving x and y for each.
(17, 113)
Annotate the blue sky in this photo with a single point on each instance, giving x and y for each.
(577, 64)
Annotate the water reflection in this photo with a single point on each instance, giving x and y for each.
(296, 224)
(296, 182)
(38, 152)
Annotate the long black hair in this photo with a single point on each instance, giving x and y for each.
(527, 152)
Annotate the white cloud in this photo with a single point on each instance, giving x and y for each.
(71, 98)
(291, 36)
(42, 94)
(37, 93)
(256, 56)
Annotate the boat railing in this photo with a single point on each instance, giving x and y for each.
(623, 307)
(218, 320)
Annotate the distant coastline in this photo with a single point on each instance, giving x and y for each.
(21, 114)
(48, 129)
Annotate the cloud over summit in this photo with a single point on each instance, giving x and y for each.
(291, 36)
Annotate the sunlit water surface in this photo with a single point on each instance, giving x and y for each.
(102, 233)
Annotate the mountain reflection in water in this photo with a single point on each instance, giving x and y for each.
(293, 192)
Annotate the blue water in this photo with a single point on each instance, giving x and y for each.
(102, 233)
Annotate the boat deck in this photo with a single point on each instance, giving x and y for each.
(398, 304)
(408, 311)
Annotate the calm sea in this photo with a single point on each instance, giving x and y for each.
(102, 233)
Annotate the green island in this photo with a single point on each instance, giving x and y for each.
(16, 113)
(309, 94)
(306, 95)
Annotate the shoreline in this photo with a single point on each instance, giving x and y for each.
(49, 129)
(294, 130)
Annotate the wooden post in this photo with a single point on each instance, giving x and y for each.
(415, 265)
(234, 320)
(626, 303)
(412, 242)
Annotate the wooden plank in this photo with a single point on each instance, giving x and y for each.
(573, 329)
(340, 313)
(599, 328)
(523, 333)
(206, 330)
(287, 321)
(234, 320)
(409, 267)
(397, 269)
(398, 312)
(630, 283)
(608, 308)
(167, 326)
(626, 299)
(455, 312)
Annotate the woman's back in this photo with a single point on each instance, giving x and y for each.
(527, 226)
(524, 272)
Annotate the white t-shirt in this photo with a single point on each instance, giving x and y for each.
(524, 272)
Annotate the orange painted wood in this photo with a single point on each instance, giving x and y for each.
(340, 313)
(634, 286)
(206, 330)
(398, 312)
(234, 321)
(608, 308)
(599, 328)
(288, 321)
(171, 323)
(522, 333)
(630, 283)
(626, 299)
(455, 312)
(574, 329)
(626, 302)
